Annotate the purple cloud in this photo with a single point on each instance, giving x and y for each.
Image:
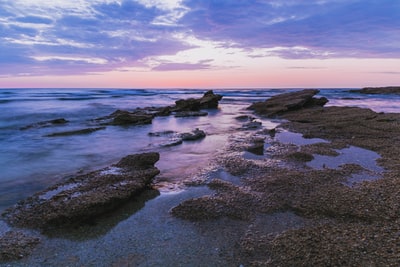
(335, 28)
(101, 35)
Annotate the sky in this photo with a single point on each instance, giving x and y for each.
(199, 43)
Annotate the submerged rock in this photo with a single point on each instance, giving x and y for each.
(76, 132)
(15, 245)
(85, 196)
(45, 124)
(280, 104)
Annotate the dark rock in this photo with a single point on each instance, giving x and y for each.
(121, 117)
(208, 101)
(45, 124)
(15, 245)
(194, 135)
(76, 132)
(252, 125)
(181, 114)
(280, 104)
(300, 156)
(244, 118)
(172, 142)
(378, 90)
(163, 133)
(257, 147)
(84, 197)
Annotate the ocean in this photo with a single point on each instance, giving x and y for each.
(30, 161)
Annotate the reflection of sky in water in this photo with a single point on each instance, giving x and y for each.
(351, 155)
(297, 139)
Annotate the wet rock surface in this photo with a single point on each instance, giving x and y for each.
(85, 196)
(338, 225)
(76, 132)
(280, 104)
(15, 245)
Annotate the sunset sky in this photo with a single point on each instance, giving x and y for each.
(199, 43)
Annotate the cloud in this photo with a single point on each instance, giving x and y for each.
(173, 66)
(89, 36)
(120, 33)
(351, 28)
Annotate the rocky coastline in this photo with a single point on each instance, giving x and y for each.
(343, 225)
(324, 220)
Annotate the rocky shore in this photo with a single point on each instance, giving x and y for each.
(342, 225)
(286, 212)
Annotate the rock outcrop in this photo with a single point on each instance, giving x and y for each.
(280, 104)
(208, 101)
(85, 196)
(378, 90)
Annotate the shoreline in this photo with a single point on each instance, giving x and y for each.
(307, 204)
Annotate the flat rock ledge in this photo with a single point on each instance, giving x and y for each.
(378, 90)
(85, 196)
(280, 104)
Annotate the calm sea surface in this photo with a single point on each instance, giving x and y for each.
(144, 234)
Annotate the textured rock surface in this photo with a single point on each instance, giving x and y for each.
(280, 104)
(85, 196)
(15, 245)
(378, 90)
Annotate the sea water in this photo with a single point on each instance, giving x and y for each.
(30, 161)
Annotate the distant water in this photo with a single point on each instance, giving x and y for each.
(30, 162)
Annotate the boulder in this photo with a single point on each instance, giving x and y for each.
(83, 197)
(280, 104)
(208, 101)
(194, 135)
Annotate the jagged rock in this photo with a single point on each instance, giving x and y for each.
(378, 90)
(194, 135)
(83, 197)
(76, 132)
(280, 104)
(15, 245)
(208, 101)
(45, 124)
